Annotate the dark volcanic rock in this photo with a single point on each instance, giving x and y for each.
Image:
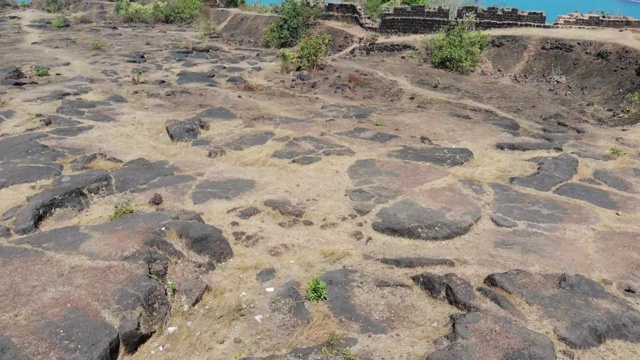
(592, 195)
(13, 174)
(218, 113)
(266, 275)
(221, 190)
(411, 220)
(187, 77)
(528, 146)
(80, 336)
(584, 314)
(25, 148)
(12, 73)
(131, 336)
(186, 130)
(203, 239)
(482, 336)
(610, 180)
(9, 350)
(343, 112)
(499, 300)
(306, 150)
(284, 207)
(289, 300)
(368, 134)
(249, 141)
(83, 162)
(518, 206)
(438, 156)
(455, 289)
(502, 221)
(67, 192)
(552, 171)
(5, 232)
(414, 262)
(139, 172)
(249, 213)
(505, 123)
(341, 305)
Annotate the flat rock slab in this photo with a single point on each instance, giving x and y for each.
(456, 290)
(528, 146)
(505, 123)
(249, 141)
(342, 306)
(187, 130)
(221, 190)
(379, 181)
(188, 77)
(26, 148)
(290, 301)
(513, 205)
(611, 180)
(440, 156)
(482, 336)
(592, 195)
(552, 171)
(14, 174)
(305, 150)
(344, 112)
(438, 214)
(139, 172)
(584, 313)
(368, 134)
(217, 113)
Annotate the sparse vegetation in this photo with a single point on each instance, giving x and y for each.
(312, 50)
(137, 77)
(293, 24)
(58, 22)
(171, 288)
(147, 42)
(240, 39)
(250, 86)
(122, 209)
(40, 71)
(287, 61)
(15, 24)
(206, 28)
(459, 47)
(52, 6)
(378, 123)
(82, 18)
(616, 152)
(631, 103)
(317, 290)
(23, 4)
(96, 44)
(436, 84)
(234, 3)
(258, 7)
(354, 80)
(170, 11)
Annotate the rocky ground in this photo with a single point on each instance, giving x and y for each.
(493, 216)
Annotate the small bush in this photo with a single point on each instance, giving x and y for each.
(52, 6)
(170, 11)
(82, 18)
(171, 288)
(292, 25)
(457, 48)
(136, 79)
(354, 80)
(15, 24)
(40, 71)
(312, 50)
(206, 28)
(58, 22)
(631, 103)
(317, 290)
(616, 152)
(287, 61)
(234, 3)
(249, 86)
(122, 209)
(96, 44)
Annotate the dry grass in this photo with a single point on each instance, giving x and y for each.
(334, 254)
(250, 86)
(354, 80)
(82, 18)
(323, 327)
(103, 164)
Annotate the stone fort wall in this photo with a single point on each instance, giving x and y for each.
(593, 20)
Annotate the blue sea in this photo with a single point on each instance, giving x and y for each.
(553, 8)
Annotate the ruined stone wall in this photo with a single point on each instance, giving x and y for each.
(593, 20)
(418, 19)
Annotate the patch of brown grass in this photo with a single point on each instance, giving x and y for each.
(250, 86)
(323, 327)
(103, 164)
(354, 80)
(334, 255)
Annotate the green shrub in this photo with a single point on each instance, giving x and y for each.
(52, 6)
(170, 11)
(234, 3)
(631, 103)
(256, 6)
(616, 152)
(82, 18)
(58, 22)
(287, 61)
(292, 25)
(312, 50)
(206, 28)
(96, 44)
(317, 290)
(457, 48)
(40, 71)
(122, 209)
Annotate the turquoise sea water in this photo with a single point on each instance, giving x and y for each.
(553, 8)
